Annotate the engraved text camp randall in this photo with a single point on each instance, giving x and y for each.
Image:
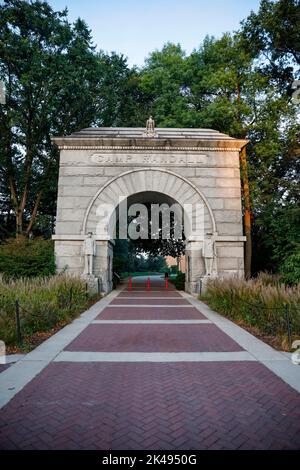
(153, 159)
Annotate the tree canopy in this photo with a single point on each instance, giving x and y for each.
(241, 84)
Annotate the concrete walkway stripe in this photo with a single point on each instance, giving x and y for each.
(13, 379)
(101, 322)
(287, 371)
(70, 356)
(11, 358)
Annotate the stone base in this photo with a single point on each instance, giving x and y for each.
(203, 282)
(199, 287)
(93, 284)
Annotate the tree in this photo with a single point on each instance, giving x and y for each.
(164, 81)
(271, 36)
(224, 85)
(156, 263)
(221, 92)
(274, 31)
(55, 84)
(49, 69)
(240, 84)
(123, 259)
(120, 101)
(157, 244)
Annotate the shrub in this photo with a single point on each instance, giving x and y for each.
(180, 281)
(20, 257)
(290, 269)
(174, 269)
(257, 303)
(44, 302)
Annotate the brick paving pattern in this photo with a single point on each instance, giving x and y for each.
(159, 406)
(151, 301)
(148, 313)
(149, 294)
(153, 338)
(153, 406)
(160, 288)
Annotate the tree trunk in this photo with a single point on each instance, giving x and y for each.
(34, 212)
(247, 212)
(20, 204)
(19, 222)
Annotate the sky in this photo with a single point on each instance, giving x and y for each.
(137, 27)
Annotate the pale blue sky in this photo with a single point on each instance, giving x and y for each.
(135, 28)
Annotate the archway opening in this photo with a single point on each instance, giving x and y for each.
(149, 236)
(146, 187)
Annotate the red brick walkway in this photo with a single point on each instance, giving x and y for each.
(153, 338)
(150, 301)
(149, 313)
(145, 405)
(153, 406)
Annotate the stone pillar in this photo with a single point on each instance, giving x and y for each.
(69, 257)
(103, 264)
(194, 265)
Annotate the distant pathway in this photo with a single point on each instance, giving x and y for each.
(150, 370)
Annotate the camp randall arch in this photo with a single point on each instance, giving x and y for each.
(198, 169)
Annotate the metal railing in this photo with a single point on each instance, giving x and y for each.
(68, 304)
(283, 322)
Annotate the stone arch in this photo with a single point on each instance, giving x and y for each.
(142, 180)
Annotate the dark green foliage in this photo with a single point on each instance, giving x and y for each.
(156, 263)
(180, 281)
(239, 84)
(276, 235)
(165, 80)
(242, 87)
(27, 258)
(290, 269)
(275, 30)
(174, 269)
(56, 83)
(148, 264)
(121, 260)
(128, 259)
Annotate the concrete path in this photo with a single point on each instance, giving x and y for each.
(151, 370)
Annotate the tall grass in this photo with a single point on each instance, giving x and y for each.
(44, 302)
(261, 303)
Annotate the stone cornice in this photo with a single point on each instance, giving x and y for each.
(218, 238)
(173, 145)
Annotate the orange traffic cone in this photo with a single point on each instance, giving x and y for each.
(148, 283)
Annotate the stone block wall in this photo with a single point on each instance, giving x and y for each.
(211, 171)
